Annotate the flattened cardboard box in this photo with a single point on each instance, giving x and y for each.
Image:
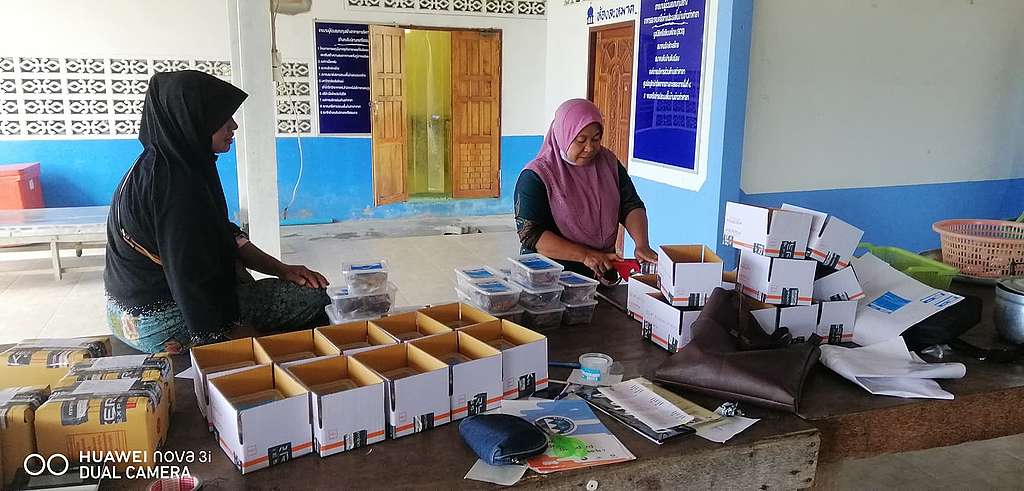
(764, 231)
(834, 322)
(475, 383)
(215, 360)
(292, 348)
(45, 361)
(348, 419)
(637, 289)
(776, 281)
(416, 402)
(688, 274)
(122, 415)
(841, 285)
(832, 241)
(265, 434)
(409, 326)
(455, 315)
(667, 326)
(524, 359)
(17, 427)
(353, 337)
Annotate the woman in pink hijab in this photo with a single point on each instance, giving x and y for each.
(571, 198)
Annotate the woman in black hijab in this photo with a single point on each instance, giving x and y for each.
(172, 273)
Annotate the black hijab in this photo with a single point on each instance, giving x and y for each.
(169, 234)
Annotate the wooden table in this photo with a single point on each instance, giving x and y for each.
(48, 228)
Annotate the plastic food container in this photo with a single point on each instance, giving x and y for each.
(366, 278)
(535, 270)
(543, 319)
(578, 288)
(539, 298)
(493, 296)
(514, 315)
(594, 366)
(473, 274)
(579, 313)
(350, 306)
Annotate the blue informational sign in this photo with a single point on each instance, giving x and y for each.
(343, 77)
(669, 54)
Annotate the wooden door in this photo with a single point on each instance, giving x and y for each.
(611, 85)
(389, 120)
(476, 114)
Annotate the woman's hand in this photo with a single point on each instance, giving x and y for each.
(645, 254)
(600, 261)
(303, 276)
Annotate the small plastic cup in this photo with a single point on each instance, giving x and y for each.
(594, 366)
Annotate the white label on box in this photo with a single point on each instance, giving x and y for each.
(119, 386)
(115, 362)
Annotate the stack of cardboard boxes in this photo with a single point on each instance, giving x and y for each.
(793, 261)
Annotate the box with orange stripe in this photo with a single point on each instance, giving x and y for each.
(832, 241)
(347, 401)
(416, 394)
(766, 231)
(474, 371)
(524, 356)
(776, 281)
(261, 416)
(669, 327)
(687, 274)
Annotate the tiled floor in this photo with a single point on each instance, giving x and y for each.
(35, 305)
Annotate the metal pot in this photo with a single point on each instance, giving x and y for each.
(1009, 311)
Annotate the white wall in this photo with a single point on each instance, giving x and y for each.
(883, 92)
(198, 28)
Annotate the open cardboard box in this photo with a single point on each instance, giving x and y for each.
(455, 315)
(215, 360)
(688, 274)
(832, 241)
(729, 280)
(833, 321)
(261, 431)
(347, 419)
(409, 326)
(416, 400)
(292, 348)
(766, 231)
(841, 285)
(476, 375)
(45, 361)
(776, 281)
(524, 356)
(665, 325)
(18, 407)
(353, 337)
(637, 288)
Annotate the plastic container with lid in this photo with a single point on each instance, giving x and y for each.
(540, 320)
(539, 298)
(473, 274)
(535, 270)
(578, 288)
(367, 277)
(579, 313)
(594, 366)
(514, 315)
(348, 305)
(493, 296)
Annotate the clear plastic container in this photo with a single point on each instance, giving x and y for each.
(249, 401)
(514, 315)
(366, 278)
(578, 288)
(535, 270)
(539, 320)
(595, 366)
(494, 296)
(539, 298)
(473, 274)
(352, 306)
(579, 313)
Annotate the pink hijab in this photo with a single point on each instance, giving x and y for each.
(584, 200)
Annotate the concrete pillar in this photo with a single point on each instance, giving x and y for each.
(249, 32)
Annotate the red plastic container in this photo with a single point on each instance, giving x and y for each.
(20, 187)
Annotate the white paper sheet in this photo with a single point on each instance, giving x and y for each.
(724, 429)
(888, 368)
(892, 301)
(505, 475)
(645, 405)
(189, 373)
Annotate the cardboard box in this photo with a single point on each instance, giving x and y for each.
(415, 402)
(776, 281)
(353, 337)
(688, 274)
(637, 289)
(524, 356)
(729, 280)
(409, 326)
(292, 348)
(347, 419)
(17, 427)
(665, 325)
(157, 365)
(254, 431)
(45, 361)
(215, 360)
(455, 315)
(841, 285)
(833, 321)
(765, 231)
(121, 415)
(832, 241)
(475, 379)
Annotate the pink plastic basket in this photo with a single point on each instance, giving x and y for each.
(982, 248)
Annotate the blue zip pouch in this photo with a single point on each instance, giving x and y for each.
(502, 439)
